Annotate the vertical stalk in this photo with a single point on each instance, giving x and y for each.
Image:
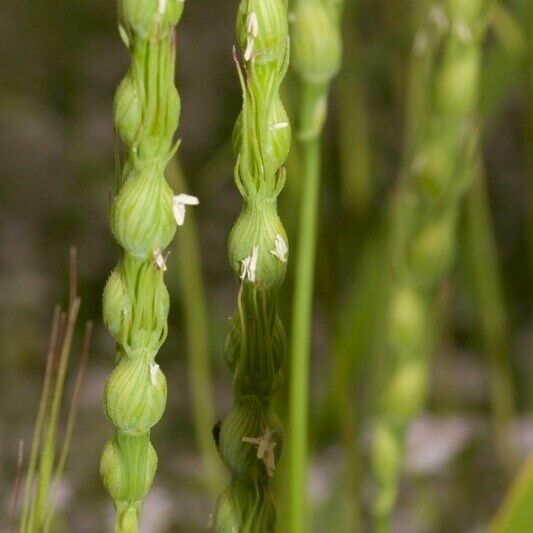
(437, 173)
(250, 439)
(490, 306)
(301, 320)
(317, 58)
(144, 217)
(197, 335)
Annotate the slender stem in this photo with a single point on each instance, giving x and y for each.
(197, 333)
(48, 452)
(71, 421)
(38, 428)
(301, 320)
(491, 308)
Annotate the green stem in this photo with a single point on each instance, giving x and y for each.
(197, 334)
(302, 311)
(489, 297)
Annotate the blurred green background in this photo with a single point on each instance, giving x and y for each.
(61, 62)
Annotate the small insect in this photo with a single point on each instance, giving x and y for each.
(216, 432)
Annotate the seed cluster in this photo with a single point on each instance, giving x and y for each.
(144, 217)
(423, 232)
(251, 439)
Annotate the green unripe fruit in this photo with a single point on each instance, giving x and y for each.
(127, 110)
(466, 10)
(316, 39)
(386, 453)
(435, 165)
(116, 304)
(456, 86)
(432, 251)
(407, 320)
(143, 17)
(128, 466)
(249, 418)
(277, 139)
(135, 395)
(141, 216)
(128, 520)
(259, 227)
(262, 29)
(405, 394)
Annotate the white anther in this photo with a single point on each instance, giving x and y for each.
(280, 249)
(265, 449)
(249, 48)
(252, 24)
(437, 15)
(162, 6)
(279, 126)
(252, 29)
(463, 31)
(249, 265)
(154, 369)
(160, 261)
(178, 206)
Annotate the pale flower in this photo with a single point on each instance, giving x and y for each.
(280, 249)
(178, 206)
(160, 261)
(154, 369)
(265, 449)
(249, 265)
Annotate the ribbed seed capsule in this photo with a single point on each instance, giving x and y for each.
(258, 234)
(249, 419)
(143, 16)
(141, 217)
(127, 110)
(262, 29)
(116, 304)
(135, 394)
(317, 42)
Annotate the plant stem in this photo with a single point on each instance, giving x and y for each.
(197, 334)
(490, 306)
(301, 316)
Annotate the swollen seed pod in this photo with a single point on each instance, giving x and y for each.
(456, 90)
(262, 29)
(386, 452)
(127, 110)
(404, 396)
(135, 395)
(116, 305)
(432, 251)
(247, 422)
(141, 216)
(434, 166)
(119, 469)
(317, 43)
(252, 246)
(278, 137)
(466, 10)
(407, 320)
(144, 16)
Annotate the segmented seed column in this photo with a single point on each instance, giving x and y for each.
(251, 439)
(144, 215)
(423, 235)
